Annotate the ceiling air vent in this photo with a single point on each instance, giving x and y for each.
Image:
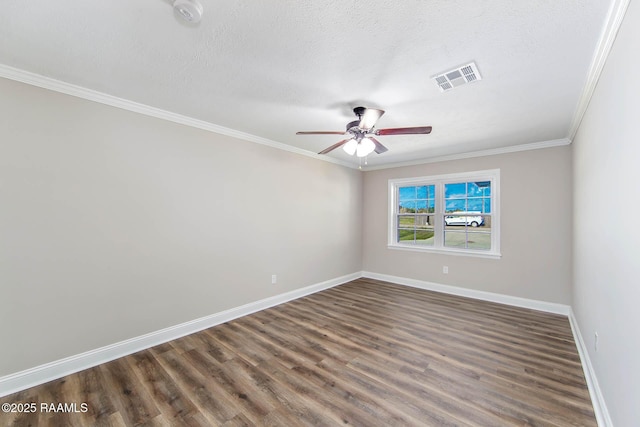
(457, 77)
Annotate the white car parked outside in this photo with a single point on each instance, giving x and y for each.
(464, 218)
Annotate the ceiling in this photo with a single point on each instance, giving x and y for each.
(268, 69)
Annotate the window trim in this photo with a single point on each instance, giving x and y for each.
(492, 175)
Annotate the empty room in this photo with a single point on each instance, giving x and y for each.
(418, 213)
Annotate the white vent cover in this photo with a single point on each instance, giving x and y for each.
(457, 77)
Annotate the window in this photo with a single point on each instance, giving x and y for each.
(456, 213)
(416, 205)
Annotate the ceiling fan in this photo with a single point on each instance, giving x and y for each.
(361, 133)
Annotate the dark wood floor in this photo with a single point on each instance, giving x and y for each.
(366, 353)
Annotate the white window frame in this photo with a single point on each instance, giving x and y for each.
(492, 175)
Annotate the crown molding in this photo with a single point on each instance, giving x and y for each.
(481, 153)
(609, 32)
(614, 19)
(38, 80)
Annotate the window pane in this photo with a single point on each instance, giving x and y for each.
(479, 240)
(485, 187)
(415, 229)
(480, 188)
(455, 239)
(426, 206)
(406, 235)
(467, 231)
(421, 192)
(455, 190)
(473, 190)
(424, 221)
(424, 237)
(406, 193)
(477, 195)
(475, 205)
(467, 239)
(407, 207)
(406, 221)
(487, 205)
(416, 199)
(455, 205)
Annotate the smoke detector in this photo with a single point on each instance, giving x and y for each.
(457, 77)
(189, 10)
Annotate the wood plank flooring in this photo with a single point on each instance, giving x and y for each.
(365, 353)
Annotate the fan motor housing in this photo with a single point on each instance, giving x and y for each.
(353, 124)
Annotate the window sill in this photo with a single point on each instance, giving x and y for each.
(456, 252)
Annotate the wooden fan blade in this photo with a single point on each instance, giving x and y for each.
(369, 118)
(320, 132)
(379, 147)
(404, 131)
(334, 146)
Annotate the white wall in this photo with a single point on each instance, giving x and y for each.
(535, 228)
(115, 224)
(606, 250)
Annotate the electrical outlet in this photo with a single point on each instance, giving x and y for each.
(445, 269)
(274, 279)
(595, 341)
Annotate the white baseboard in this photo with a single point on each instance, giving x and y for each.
(549, 307)
(50, 371)
(597, 399)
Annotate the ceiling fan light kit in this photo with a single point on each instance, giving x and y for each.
(361, 132)
(365, 147)
(350, 147)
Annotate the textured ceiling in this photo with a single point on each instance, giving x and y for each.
(270, 69)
